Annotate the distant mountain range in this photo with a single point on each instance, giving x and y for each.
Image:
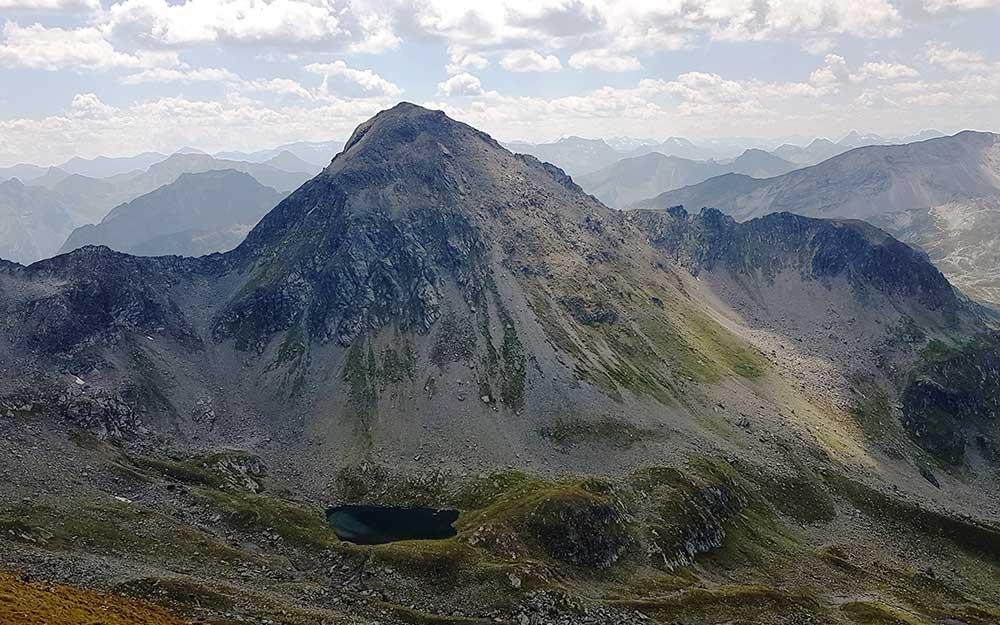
(33, 221)
(23, 172)
(63, 201)
(817, 151)
(171, 169)
(861, 183)
(287, 161)
(940, 195)
(578, 156)
(197, 214)
(316, 153)
(574, 155)
(679, 147)
(104, 167)
(633, 179)
(821, 149)
(301, 156)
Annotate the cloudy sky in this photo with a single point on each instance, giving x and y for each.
(88, 77)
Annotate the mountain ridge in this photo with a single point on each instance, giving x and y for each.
(632, 179)
(863, 182)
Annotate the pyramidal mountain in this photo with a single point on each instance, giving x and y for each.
(650, 415)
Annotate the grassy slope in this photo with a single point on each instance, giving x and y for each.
(42, 603)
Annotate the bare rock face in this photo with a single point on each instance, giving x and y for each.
(375, 237)
(581, 528)
(819, 249)
(952, 402)
(96, 296)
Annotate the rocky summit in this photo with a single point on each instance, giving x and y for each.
(644, 416)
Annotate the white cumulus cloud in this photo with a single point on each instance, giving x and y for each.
(354, 82)
(462, 60)
(463, 84)
(879, 70)
(51, 5)
(940, 6)
(170, 74)
(38, 47)
(530, 61)
(208, 21)
(604, 61)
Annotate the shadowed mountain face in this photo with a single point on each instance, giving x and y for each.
(862, 183)
(867, 257)
(435, 322)
(196, 215)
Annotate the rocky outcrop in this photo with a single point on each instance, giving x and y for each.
(96, 296)
(365, 272)
(582, 528)
(953, 398)
(117, 414)
(819, 249)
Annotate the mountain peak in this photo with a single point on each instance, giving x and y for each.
(402, 128)
(405, 213)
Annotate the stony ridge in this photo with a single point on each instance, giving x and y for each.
(866, 256)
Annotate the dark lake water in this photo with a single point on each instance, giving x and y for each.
(376, 525)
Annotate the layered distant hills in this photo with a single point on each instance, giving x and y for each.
(578, 156)
(196, 214)
(575, 155)
(315, 153)
(633, 179)
(34, 221)
(82, 192)
(861, 183)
